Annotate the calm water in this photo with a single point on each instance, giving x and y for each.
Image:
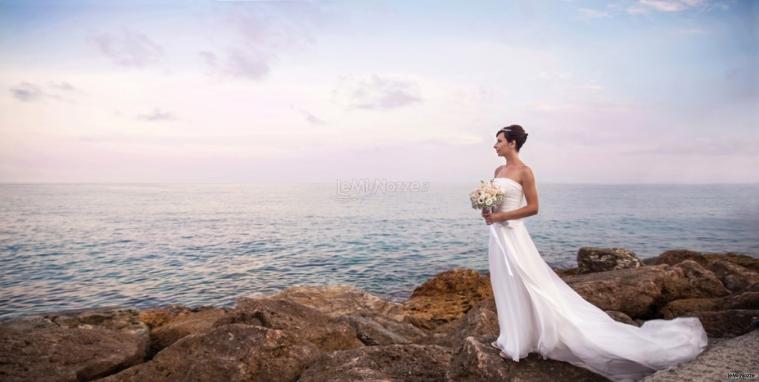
(80, 246)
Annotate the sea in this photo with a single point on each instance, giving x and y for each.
(77, 246)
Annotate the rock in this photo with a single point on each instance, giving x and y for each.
(340, 300)
(375, 329)
(637, 292)
(475, 360)
(235, 352)
(563, 272)
(687, 306)
(735, 355)
(182, 324)
(326, 333)
(381, 363)
(155, 317)
(446, 297)
(591, 259)
(481, 320)
(123, 320)
(728, 323)
(621, 317)
(701, 282)
(676, 256)
(735, 277)
(55, 353)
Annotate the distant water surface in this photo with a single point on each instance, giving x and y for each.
(86, 245)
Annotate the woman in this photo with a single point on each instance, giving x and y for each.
(537, 311)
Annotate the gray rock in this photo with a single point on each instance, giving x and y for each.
(592, 259)
(54, 353)
(381, 363)
(235, 352)
(722, 357)
(477, 361)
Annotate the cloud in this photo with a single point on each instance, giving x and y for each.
(27, 92)
(157, 115)
(30, 92)
(376, 92)
(64, 86)
(261, 32)
(643, 6)
(588, 14)
(127, 48)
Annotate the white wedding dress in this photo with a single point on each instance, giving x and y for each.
(539, 312)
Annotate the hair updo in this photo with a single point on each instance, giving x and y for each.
(514, 133)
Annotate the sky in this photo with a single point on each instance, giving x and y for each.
(649, 91)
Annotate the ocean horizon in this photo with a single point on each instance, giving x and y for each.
(81, 245)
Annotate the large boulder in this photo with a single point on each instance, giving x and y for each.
(235, 352)
(728, 323)
(56, 353)
(636, 292)
(475, 360)
(687, 306)
(446, 297)
(178, 324)
(376, 329)
(340, 300)
(676, 256)
(592, 259)
(699, 281)
(481, 320)
(326, 333)
(736, 278)
(381, 363)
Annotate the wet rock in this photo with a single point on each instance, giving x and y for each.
(446, 297)
(326, 333)
(123, 320)
(381, 363)
(235, 352)
(592, 259)
(475, 360)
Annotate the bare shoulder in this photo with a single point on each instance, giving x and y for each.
(497, 170)
(526, 173)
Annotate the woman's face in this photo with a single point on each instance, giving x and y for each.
(501, 146)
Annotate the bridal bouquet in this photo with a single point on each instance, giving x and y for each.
(487, 196)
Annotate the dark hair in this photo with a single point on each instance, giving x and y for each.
(514, 133)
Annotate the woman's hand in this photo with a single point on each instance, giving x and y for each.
(492, 217)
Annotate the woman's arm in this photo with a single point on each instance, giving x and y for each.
(530, 194)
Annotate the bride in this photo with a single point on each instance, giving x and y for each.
(537, 311)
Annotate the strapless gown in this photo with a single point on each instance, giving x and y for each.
(539, 312)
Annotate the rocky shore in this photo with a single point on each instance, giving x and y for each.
(341, 333)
